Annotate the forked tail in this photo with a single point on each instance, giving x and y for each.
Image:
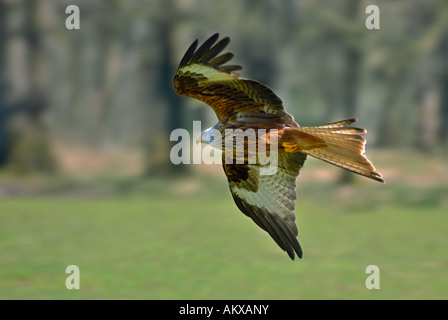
(338, 144)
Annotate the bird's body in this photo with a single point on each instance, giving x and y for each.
(247, 106)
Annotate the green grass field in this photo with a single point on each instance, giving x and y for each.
(185, 239)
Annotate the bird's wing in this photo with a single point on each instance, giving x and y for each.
(269, 199)
(203, 74)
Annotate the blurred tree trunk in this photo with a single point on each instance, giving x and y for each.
(428, 101)
(388, 126)
(107, 75)
(68, 121)
(443, 111)
(352, 56)
(30, 151)
(259, 53)
(350, 92)
(158, 144)
(4, 140)
(443, 129)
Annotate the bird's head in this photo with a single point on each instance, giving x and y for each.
(211, 136)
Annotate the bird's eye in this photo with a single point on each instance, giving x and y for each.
(211, 138)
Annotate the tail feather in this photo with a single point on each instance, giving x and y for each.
(338, 124)
(343, 146)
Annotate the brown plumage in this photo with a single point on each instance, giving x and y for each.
(268, 199)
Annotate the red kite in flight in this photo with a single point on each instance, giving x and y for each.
(269, 200)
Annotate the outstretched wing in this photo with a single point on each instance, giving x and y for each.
(203, 74)
(269, 199)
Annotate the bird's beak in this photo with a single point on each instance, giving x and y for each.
(198, 140)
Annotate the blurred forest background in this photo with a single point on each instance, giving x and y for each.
(86, 115)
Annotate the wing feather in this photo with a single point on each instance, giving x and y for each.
(205, 48)
(226, 57)
(217, 49)
(189, 54)
(269, 200)
(203, 74)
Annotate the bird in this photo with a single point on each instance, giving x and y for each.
(244, 104)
